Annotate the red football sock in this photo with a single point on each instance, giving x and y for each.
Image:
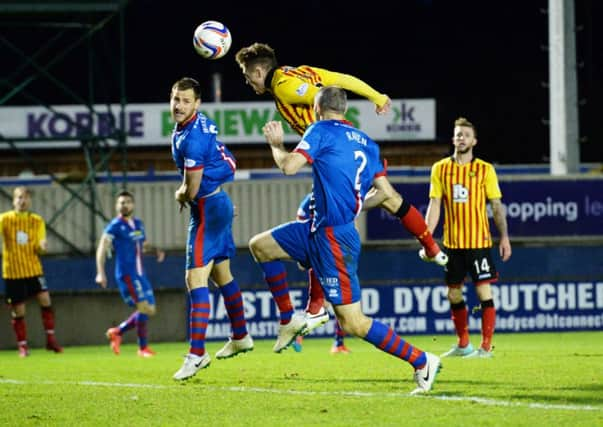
(488, 322)
(459, 318)
(20, 329)
(414, 222)
(317, 299)
(48, 319)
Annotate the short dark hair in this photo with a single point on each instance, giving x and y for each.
(332, 98)
(125, 193)
(186, 83)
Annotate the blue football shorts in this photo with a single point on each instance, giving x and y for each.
(210, 231)
(135, 288)
(332, 252)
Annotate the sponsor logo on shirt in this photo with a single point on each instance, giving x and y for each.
(460, 194)
(22, 237)
(302, 89)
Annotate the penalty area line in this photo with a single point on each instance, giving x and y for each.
(364, 394)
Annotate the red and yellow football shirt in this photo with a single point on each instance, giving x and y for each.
(294, 88)
(464, 191)
(21, 236)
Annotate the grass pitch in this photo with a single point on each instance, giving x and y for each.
(533, 380)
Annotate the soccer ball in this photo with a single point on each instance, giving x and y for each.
(212, 40)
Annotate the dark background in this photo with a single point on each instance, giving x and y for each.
(484, 60)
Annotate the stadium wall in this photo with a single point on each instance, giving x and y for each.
(542, 288)
(556, 226)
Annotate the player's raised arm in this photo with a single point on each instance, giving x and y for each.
(289, 163)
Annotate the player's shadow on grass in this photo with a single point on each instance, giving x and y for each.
(348, 380)
(469, 388)
(562, 399)
(393, 385)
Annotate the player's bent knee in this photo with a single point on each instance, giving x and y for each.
(146, 308)
(258, 248)
(455, 294)
(253, 245)
(356, 324)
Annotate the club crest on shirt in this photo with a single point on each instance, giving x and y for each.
(303, 145)
(179, 140)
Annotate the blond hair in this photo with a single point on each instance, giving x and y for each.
(26, 191)
(461, 121)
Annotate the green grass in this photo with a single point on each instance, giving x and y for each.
(533, 380)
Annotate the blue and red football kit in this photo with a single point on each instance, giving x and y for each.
(345, 161)
(127, 237)
(195, 147)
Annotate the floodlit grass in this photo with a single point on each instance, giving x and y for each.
(534, 380)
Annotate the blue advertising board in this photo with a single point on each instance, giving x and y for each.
(424, 309)
(542, 288)
(534, 209)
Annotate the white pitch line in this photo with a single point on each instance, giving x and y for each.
(473, 399)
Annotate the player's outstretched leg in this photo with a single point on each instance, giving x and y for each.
(426, 365)
(425, 376)
(414, 223)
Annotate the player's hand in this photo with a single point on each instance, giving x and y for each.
(504, 248)
(274, 134)
(181, 198)
(43, 246)
(101, 280)
(160, 255)
(385, 108)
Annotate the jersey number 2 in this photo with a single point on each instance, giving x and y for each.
(359, 155)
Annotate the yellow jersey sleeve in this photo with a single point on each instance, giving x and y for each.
(435, 183)
(302, 88)
(352, 84)
(491, 183)
(41, 230)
